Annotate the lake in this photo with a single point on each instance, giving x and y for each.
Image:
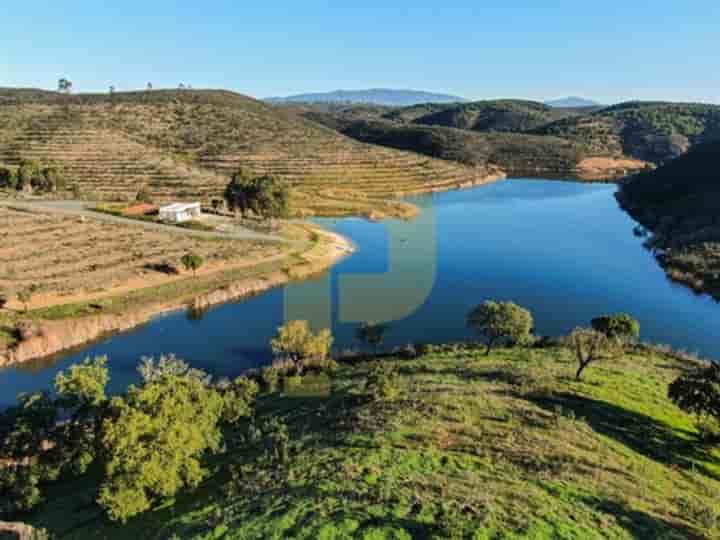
(564, 250)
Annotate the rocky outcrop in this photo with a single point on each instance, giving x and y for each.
(21, 531)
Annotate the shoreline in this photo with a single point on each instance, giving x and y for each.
(52, 337)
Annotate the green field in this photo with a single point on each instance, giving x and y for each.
(503, 446)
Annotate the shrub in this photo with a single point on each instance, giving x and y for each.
(8, 178)
(501, 321)
(296, 341)
(372, 333)
(382, 383)
(238, 399)
(620, 326)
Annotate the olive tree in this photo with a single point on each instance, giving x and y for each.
(590, 346)
(501, 322)
(192, 261)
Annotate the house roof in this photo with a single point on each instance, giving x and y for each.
(180, 207)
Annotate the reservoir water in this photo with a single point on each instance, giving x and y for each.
(564, 250)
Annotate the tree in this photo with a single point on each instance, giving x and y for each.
(26, 295)
(296, 341)
(65, 85)
(149, 86)
(590, 346)
(266, 196)
(192, 261)
(8, 178)
(372, 333)
(156, 436)
(501, 321)
(29, 176)
(698, 391)
(84, 384)
(238, 192)
(111, 90)
(620, 326)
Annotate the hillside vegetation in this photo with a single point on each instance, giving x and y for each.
(453, 444)
(680, 204)
(586, 141)
(650, 131)
(514, 153)
(185, 144)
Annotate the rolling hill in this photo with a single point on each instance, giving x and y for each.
(500, 115)
(680, 204)
(184, 144)
(572, 102)
(515, 153)
(650, 131)
(376, 96)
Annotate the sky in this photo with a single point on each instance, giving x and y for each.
(609, 51)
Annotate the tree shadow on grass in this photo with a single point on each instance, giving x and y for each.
(640, 524)
(643, 434)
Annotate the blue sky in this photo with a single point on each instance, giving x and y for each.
(610, 51)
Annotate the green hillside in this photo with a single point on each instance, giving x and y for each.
(515, 153)
(502, 115)
(680, 204)
(465, 446)
(650, 131)
(184, 144)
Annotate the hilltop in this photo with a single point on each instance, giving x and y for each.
(680, 204)
(572, 102)
(184, 144)
(451, 444)
(375, 96)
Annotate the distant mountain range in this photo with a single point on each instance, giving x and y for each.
(572, 102)
(374, 96)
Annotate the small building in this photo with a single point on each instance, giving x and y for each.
(180, 212)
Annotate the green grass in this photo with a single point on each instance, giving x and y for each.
(500, 447)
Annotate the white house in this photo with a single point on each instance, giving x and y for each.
(180, 212)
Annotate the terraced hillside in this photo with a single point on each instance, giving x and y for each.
(655, 132)
(185, 144)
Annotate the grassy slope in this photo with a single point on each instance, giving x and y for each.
(507, 446)
(680, 204)
(185, 144)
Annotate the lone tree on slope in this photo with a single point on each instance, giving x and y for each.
(192, 261)
(501, 322)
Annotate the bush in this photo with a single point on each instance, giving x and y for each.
(8, 178)
(296, 341)
(620, 326)
(382, 383)
(501, 321)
